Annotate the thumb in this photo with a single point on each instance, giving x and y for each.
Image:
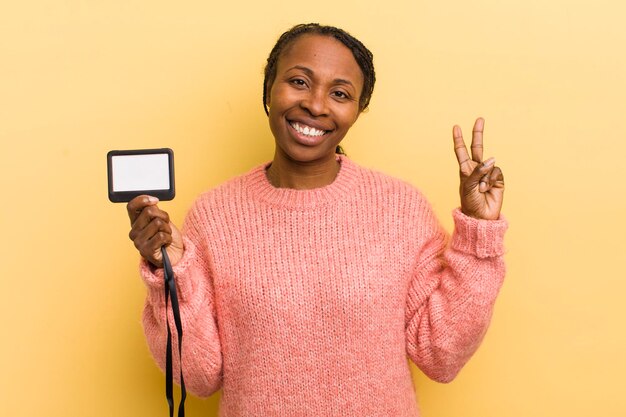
(479, 172)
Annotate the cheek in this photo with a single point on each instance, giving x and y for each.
(280, 96)
(350, 116)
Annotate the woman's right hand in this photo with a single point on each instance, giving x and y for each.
(151, 229)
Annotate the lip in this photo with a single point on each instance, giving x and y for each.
(310, 123)
(303, 139)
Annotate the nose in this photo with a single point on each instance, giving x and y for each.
(315, 103)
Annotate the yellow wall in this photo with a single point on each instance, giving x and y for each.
(78, 78)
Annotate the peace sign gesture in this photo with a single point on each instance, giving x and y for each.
(482, 183)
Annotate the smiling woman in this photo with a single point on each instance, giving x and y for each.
(330, 75)
(313, 101)
(305, 283)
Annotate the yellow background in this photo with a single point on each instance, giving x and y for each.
(79, 78)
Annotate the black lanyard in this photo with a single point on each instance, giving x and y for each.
(170, 290)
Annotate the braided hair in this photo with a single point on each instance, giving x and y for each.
(364, 58)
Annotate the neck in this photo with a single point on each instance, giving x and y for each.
(284, 173)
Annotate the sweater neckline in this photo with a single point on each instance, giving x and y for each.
(261, 189)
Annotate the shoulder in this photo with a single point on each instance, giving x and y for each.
(231, 191)
(380, 184)
(389, 193)
(226, 198)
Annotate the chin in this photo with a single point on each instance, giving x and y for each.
(305, 154)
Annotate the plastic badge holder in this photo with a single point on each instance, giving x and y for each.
(142, 171)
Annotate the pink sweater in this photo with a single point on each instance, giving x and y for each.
(308, 302)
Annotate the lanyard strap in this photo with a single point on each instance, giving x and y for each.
(170, 291)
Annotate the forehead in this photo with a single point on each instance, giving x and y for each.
(324, 55)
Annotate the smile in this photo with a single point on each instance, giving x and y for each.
(307, 130)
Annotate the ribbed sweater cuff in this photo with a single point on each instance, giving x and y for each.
(154, 280)
(483, 238)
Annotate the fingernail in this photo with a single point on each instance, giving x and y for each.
(153, 199)
(489, 162)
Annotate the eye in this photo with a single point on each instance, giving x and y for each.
(340, 95)
(298, 82)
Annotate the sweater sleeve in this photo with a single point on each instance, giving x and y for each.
(201, 356)
(452, 293)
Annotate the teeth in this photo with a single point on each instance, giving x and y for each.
(307, 130)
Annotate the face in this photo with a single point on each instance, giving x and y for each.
(314, 99)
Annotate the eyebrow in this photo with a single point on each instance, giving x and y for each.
(309, 72)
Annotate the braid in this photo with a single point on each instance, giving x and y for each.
(362, 55)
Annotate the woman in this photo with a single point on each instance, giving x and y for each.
(306, 282)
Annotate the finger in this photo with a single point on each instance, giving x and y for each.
(145, 217)
(477, 140)
(137, 204)
(481, 171)
(151, 240)
(149, 213)
(493, 179)
(460, 150)
(155, 226)
(154, 245)
(484, 184)
(151, 249)
(496, 178)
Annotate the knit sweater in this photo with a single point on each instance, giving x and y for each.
(308, 302)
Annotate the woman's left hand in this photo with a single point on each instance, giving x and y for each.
(482, 183)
